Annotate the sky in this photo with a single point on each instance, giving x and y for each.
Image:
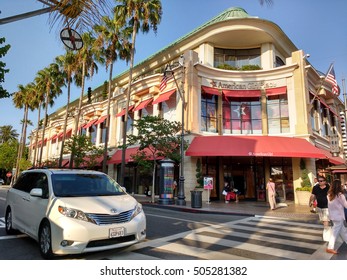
(317, 27)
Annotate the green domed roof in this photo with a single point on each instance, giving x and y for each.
(231, 13)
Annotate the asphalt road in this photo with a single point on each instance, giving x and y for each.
(177, 235)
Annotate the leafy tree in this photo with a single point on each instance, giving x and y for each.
(85, 152)
(8, 155)
(3, 50)
(157, 138)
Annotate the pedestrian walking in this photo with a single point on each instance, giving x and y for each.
(271, 193)
(319, 193)
(336, 205)
(313, 203)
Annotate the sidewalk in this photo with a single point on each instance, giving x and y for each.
(287, 210)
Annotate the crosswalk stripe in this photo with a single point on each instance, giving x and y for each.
(248, 238)
(2, 222)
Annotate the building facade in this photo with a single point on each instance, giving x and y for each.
(254, 108)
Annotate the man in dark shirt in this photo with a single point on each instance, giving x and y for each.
(320, 192)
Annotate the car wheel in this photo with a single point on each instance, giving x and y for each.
(8, 222)
(45, 240)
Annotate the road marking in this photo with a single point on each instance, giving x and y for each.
(253, 238)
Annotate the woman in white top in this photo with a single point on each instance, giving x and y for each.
(336, 204)
(271, 193)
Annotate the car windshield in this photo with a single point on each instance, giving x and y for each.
(77, 185)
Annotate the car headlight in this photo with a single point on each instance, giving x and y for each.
(73, 213)
(138, 209)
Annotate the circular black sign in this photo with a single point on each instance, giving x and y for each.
(71, 39)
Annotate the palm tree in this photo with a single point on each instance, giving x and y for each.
(37, 102)
(81, 14)
(68, 67)
(23, 99)
(113, 40)
(50, 80)
(140, 15)
(86, 59)
(7, 134)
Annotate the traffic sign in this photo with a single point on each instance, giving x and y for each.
(71, 39)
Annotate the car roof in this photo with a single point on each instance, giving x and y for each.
(63, 171)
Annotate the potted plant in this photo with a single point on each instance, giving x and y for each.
(196, 194)
(303, 194)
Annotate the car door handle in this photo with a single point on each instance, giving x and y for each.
(26, 198)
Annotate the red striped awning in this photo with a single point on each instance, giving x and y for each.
(143, 104)
(122, 113)
(89, 124)
(164, 96)
(102, 119)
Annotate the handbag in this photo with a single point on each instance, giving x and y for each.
(224, 192)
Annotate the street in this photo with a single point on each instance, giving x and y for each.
(176, 235)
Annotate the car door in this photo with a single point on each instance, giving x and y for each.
(36, 206)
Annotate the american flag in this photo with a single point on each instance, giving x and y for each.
(163, 82)
(331, 78)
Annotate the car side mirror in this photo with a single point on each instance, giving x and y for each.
(36, 192)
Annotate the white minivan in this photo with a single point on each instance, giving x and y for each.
(73, 211)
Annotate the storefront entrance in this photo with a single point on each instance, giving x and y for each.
(248, 175)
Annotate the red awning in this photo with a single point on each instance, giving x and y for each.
(276, 91)
(65, 162)
(98, 161)
(53, 137)
(242, 93)
(122, 113)
(331, 158)
(164, 96)
(100, 120)
(143, 104)
(89, 124)
(117, 156)
(210, 90)
(255, 146)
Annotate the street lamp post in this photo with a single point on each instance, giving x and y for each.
(168, 71)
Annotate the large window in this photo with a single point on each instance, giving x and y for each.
(278, 115)
(242, 116)
(102, 136)
(209, 109)
(237, 58)
(167, 109)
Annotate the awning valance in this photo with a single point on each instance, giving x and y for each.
(210, 90)
(276, 91)
(255, 146)
(164, 96)
(242, 93)
(143, 104)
